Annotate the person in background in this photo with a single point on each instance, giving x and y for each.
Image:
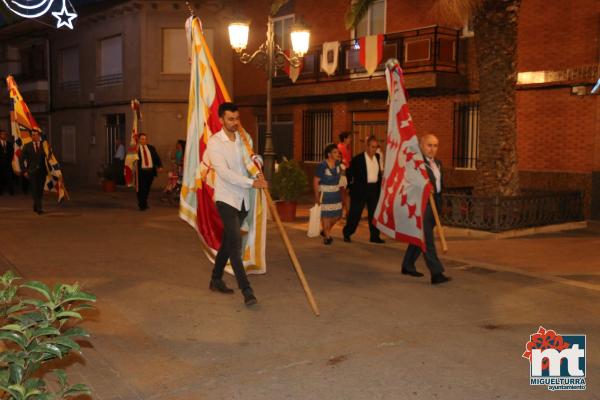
(149, 165)
(119, 162)
(6, 171)
(345, 156)
(364, 180)
(326, 186)
(33, 165)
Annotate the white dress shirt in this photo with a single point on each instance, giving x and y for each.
(146, 161)
(120, 153)
(372, 168)
(232, 183)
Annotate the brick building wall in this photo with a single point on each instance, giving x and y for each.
(558, 134)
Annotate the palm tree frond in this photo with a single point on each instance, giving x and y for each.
(358, 9)
(276, 5)
(455, 12)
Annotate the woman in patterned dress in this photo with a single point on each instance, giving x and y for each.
(327, 184)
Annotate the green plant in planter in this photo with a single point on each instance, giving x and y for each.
(35, 331)
(289, 182)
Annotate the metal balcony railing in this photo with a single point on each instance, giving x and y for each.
(428, 49)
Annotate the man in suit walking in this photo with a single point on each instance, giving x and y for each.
(33, 165)
(429, 147)
(6, 171)
(148, 167)
(364, 181)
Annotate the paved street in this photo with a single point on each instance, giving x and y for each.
(158, 333)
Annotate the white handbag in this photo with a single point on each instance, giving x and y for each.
(314, 220)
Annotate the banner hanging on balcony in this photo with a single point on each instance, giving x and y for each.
(22, 124)
(197, 206)
(371, 52)
(405, 186)
(290, 70)
(329, 57)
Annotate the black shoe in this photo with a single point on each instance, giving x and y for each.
(347, 239)
(328, 240)
(219, 286)
(249, 298)
(377, 240)
(40, 212)
(415, 273)
(440, 278)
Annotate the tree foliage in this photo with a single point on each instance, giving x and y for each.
(38, 327)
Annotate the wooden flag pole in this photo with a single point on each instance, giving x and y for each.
(292, 253)
(438, 224)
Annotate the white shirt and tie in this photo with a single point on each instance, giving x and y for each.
(372, 168)
(146, 157)
(232, 181)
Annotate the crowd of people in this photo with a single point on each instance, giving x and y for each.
(339, 177)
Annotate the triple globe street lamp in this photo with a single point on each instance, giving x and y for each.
(269, 56)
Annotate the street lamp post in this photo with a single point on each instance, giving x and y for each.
(270, 56)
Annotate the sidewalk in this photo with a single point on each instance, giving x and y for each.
(573, 254)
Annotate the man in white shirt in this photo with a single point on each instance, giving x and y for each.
(148, 165)
(429, 147)
(232, 196)
(119, 162)
(364, 181)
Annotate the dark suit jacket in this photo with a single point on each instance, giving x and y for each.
(31, 162)
(6, 156)
(437, 196)
(155, 159)
(357, 175)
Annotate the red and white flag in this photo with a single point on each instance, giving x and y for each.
(290, 70)
(405, 186)
(371, 52)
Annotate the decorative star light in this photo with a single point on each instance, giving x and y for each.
(64, 17)
(36, 8)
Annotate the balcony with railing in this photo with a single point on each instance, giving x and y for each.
(425, 54)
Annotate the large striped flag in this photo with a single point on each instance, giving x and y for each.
(197, 206)
(22, 124)
(131, 158)
(21, 121)
(405, 186)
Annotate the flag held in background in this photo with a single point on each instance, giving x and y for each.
(371, 52)
(22, 124)
(405, 186)
(131, 158)
(197, 206)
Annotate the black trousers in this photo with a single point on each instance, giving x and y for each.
(36, 184)
(413, 252)
(145, 178)
(231, 244)
(369, 197)
(6, 179)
